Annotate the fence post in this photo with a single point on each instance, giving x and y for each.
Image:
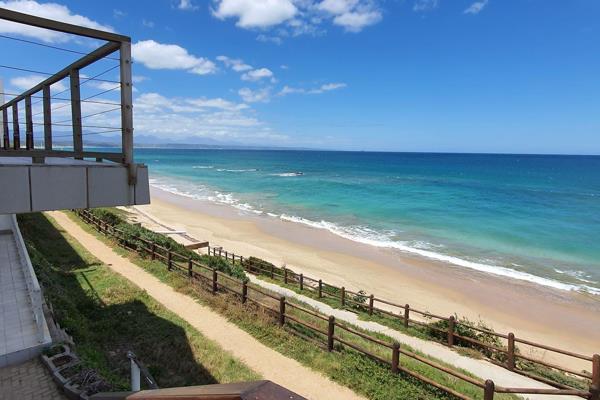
(169, 260)
(488, 391)
(272, 271)
(301, 282)
(190, 267)
(320, 288)
(371, 300)
(595, 386)
(285, 275)
(330, 331)
(282, 311)
(47, 118)
(244, 292)
(343, 296)
(510, 355)
(28, 124)
(214, 281)
(406, 315)
(395, 356)
(153, 255)
(451, 322)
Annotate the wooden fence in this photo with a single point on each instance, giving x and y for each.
(335, 332)
(404, 313)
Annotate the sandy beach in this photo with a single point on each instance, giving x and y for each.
(568, 320)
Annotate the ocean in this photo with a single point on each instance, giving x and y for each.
(530, 217)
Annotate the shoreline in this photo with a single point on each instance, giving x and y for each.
(564, 319)
(386, 243)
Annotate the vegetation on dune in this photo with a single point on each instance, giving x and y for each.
(132, 233)
(345, 365)
(107, 316)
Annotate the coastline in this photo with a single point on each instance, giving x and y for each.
(564, 319)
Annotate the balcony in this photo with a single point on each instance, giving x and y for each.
(48, 160)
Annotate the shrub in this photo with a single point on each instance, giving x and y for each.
(465, 327)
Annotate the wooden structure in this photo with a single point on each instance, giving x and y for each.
(259, 390)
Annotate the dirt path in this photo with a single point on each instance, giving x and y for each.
(267, 362)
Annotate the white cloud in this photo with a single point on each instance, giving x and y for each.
(170, 56)
(327, 87)
(235, 64)
(337, 6)
(187, 5)
(255, 96)
(299, 17)
(357, 20)
(29, 81)
(147, 23)
(425, 5)
(331, 86)
(118, 13)
(257, 74)
(476, 7)
(269, 39)
(218, 103)
(46, 10)
(180, 118)
(256, 14)
(103, 85)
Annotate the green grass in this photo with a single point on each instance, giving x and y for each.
(107, 316)
(345, 366)
(332, 297)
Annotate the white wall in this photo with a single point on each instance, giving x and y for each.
(39, 187)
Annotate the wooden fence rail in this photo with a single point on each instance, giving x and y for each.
(403, 313)
(217, 282)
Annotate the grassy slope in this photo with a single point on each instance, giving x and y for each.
(106, 315)
(346, 367)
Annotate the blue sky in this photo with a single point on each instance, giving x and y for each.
(412, 75)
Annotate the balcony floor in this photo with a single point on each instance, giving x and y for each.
(19, 338)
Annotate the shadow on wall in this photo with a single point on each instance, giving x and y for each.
(105, 316)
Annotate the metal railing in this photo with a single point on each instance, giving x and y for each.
(12, 145)
(138, 370)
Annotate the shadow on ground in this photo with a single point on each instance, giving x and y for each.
(106, 315)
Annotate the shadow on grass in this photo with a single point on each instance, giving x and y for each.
(106, 315)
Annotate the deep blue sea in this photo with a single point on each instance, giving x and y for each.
(532, 217)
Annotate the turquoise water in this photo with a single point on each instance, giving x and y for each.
(535, 218)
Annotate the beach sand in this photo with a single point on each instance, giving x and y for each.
(567, 320)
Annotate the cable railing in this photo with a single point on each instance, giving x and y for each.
(18, 112)
(326, 332)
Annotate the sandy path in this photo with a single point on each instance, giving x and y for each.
(267, 362)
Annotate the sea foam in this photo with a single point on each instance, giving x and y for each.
(368, 236)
